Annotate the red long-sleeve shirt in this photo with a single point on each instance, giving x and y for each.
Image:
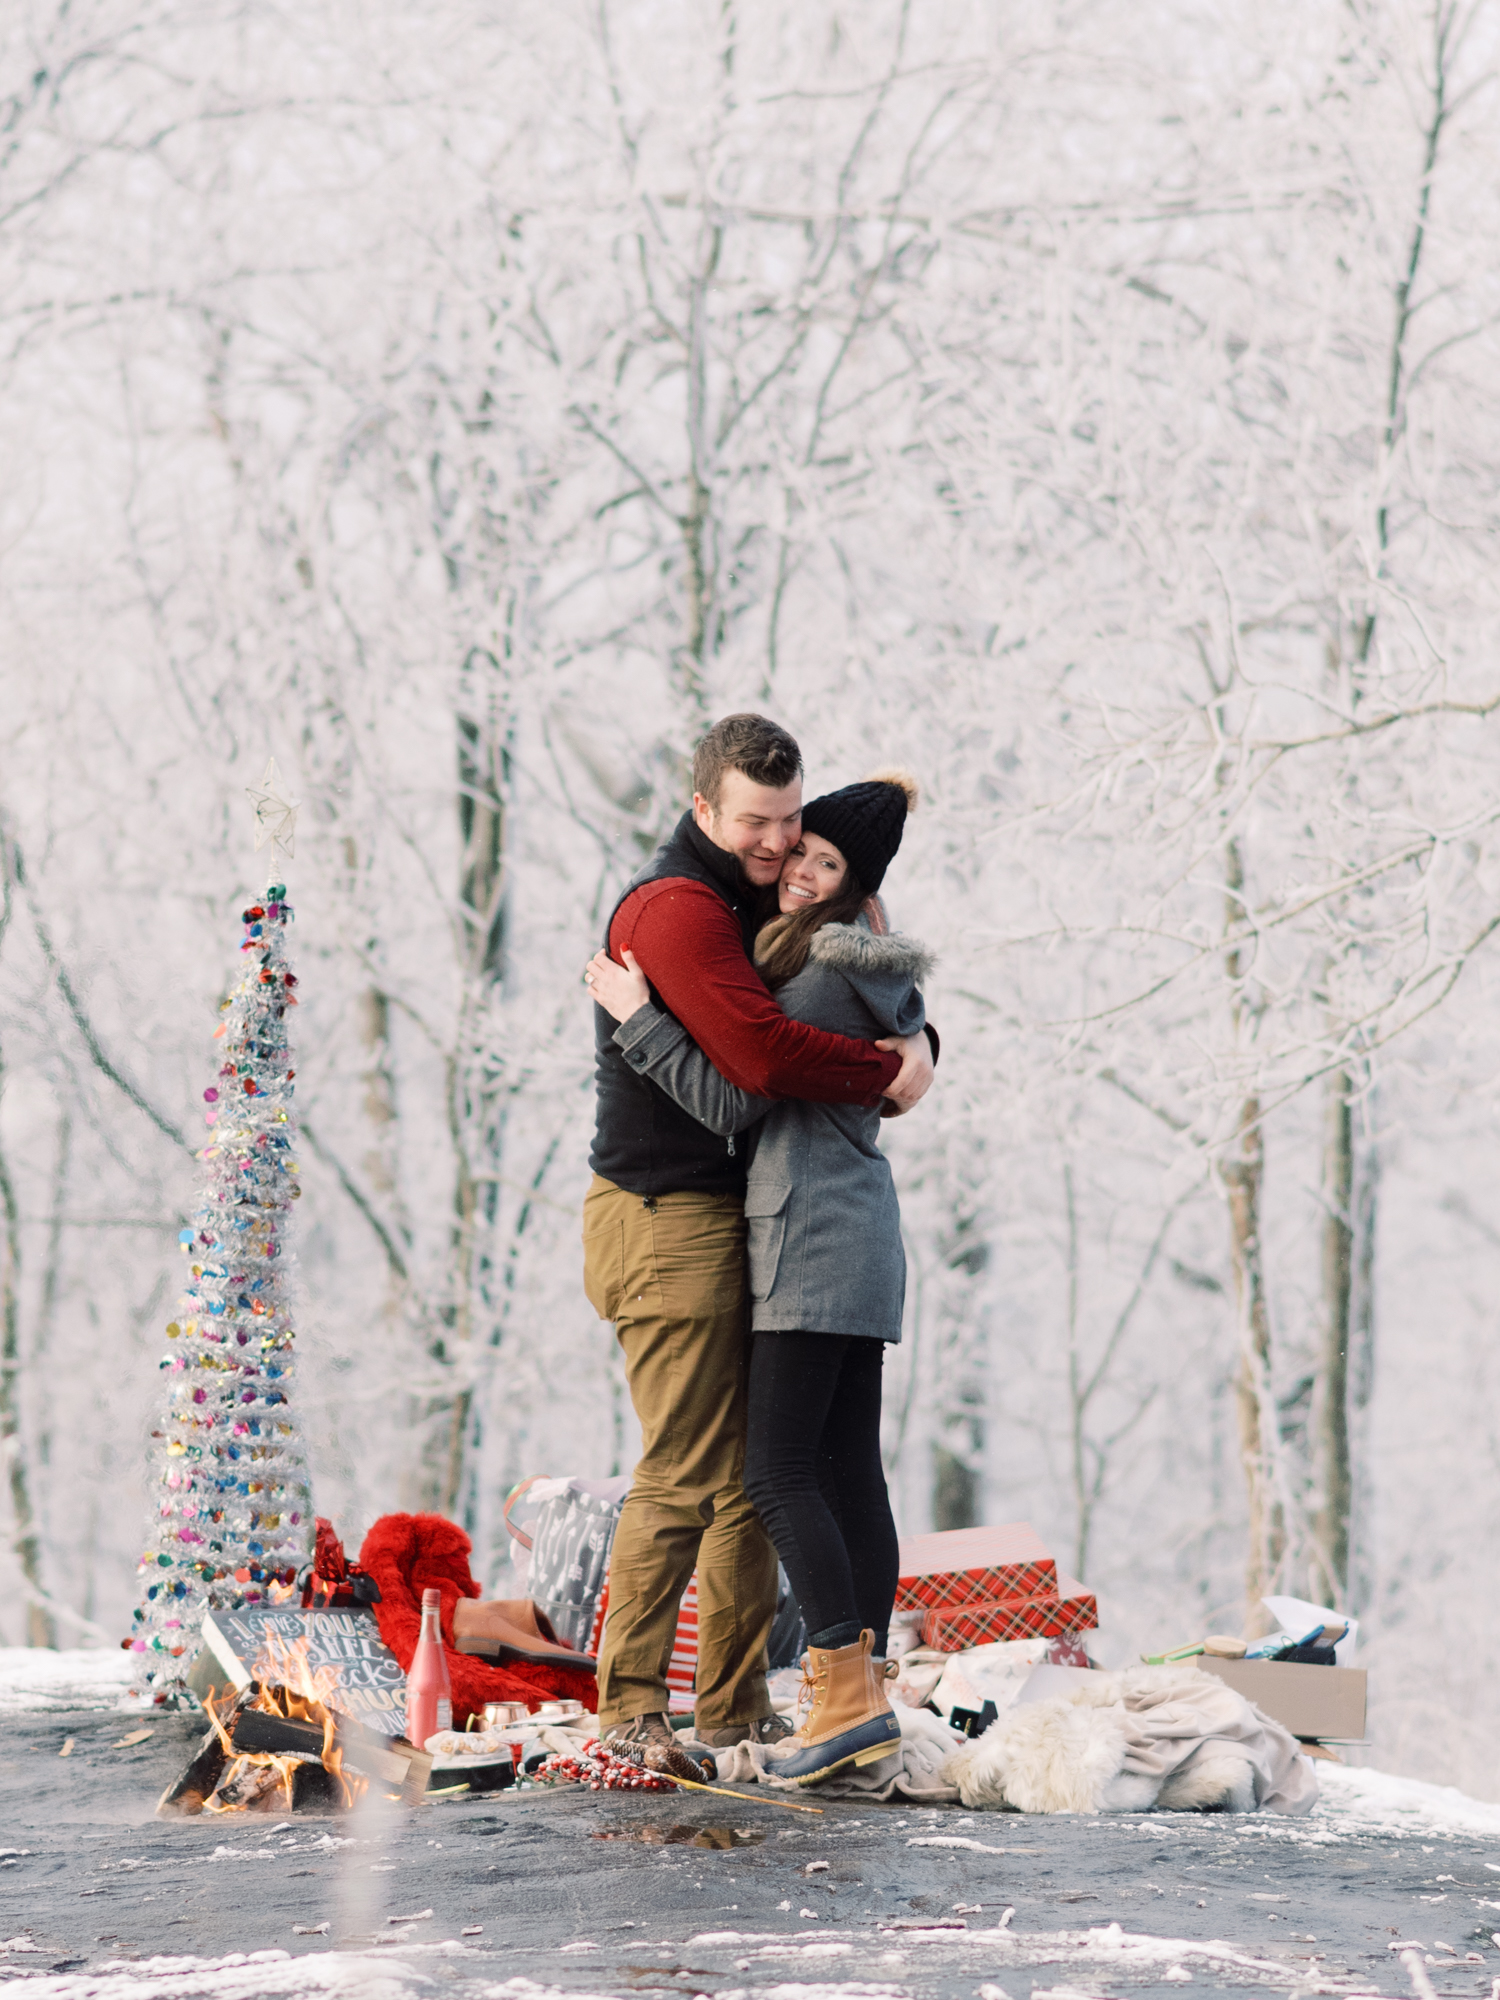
(687, 941)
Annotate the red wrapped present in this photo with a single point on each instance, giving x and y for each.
(969, 1565)
(949, 1628)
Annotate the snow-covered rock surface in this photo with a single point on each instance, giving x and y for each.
(34, 1680)
(540, 1895)
(1374, 1802)
(258, 1975)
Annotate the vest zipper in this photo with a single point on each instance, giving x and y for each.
(731, 1145)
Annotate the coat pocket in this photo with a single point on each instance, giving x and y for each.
(765, 1233)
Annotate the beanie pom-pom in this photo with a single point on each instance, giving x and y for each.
(902, 780)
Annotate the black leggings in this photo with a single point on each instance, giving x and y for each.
(813, 1472)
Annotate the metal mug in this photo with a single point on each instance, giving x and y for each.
(503, 1714)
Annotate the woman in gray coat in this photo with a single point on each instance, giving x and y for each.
(827, 1270)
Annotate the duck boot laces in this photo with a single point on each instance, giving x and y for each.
(850, 1722)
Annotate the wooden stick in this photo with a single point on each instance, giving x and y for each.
(724, 1793)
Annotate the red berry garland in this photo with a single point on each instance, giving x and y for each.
(601, 1770)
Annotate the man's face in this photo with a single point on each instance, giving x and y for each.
(756, 822)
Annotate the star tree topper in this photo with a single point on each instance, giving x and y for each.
(275, 817)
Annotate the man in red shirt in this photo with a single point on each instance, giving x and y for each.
(664, 1242)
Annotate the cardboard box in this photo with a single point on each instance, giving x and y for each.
(1315, 1702)
(951, 1628)
(975, 1565)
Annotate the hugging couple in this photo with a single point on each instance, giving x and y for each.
(755, 1019)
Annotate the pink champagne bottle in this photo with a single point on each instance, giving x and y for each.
(429, 1692)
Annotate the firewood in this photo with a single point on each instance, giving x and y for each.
(253, 1788)
(390, 1759)
(418, 1769)
(257, 1729)
(314, 1789)
(186, 1796)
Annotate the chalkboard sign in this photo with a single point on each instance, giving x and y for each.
(370, 1686)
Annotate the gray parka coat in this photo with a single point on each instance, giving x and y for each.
(822, 1218)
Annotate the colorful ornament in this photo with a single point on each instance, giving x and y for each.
(241, 1544)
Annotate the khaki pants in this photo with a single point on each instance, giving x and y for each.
(670, 1273)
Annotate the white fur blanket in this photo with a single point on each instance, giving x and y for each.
(1173, 1738)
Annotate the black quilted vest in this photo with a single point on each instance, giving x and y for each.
(643, 1142)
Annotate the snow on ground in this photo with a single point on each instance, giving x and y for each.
(34, 1680)
(1121, 1957)
(1374, 1802)
(256, 1975)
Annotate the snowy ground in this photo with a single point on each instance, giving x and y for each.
(34, 1680)
(526, 1897)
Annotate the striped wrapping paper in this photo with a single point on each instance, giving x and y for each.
(683, 1665)
(950, 1628)
(968, 1565)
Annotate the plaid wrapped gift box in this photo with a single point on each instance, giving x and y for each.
(950, 1628)
(969, 1565)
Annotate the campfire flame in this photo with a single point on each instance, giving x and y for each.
(289, 1687)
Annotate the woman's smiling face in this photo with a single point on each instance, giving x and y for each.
(813, 872)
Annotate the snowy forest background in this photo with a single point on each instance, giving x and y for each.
(1093, 404)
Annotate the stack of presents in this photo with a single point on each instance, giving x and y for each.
(980, 1586)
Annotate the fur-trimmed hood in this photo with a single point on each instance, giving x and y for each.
(883, 972)
(855, 948)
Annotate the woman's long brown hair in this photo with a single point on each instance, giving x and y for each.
(787, 953)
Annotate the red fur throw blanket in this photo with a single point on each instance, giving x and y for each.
(409, 1553)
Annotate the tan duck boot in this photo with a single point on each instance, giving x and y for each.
(851, 1721)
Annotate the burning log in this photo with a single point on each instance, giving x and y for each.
(188, 1795)
(391, 1759)
(260, 1729)
(261, 1784)
(281, 1745)
(315, 1789)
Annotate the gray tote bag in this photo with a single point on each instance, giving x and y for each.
(569, 1536)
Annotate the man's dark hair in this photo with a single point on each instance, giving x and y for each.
(763, 750)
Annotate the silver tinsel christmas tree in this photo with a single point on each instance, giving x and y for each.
(233, 1517)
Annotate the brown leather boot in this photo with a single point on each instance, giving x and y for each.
(851, 1721)
(769, 1729)
(512, 1628)
(652, 1740)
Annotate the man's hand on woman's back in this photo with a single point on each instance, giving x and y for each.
(914, 1078)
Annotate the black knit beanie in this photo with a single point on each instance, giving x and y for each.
(865, 822)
